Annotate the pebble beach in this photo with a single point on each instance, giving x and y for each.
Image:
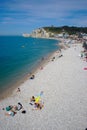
(63, 81)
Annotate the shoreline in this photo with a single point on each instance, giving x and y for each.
(11, 90)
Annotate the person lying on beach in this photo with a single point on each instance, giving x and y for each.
(10, 113)
(14, 108)
(53, 58)
(34, 100)
(38, 106)
(32, 77)
(11, 110)
(60, 55)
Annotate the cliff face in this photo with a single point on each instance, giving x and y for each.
(56, 32)
(43, 33)
(40, 33)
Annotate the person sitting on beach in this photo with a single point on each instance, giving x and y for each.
(53, 58)
(32, 100)
(32, 77)
(18, 90)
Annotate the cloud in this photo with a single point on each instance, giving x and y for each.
(45, 6)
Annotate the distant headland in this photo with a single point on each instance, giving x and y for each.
(57, 32)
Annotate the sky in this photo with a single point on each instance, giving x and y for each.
(24, 16)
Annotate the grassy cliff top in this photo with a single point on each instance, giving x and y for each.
(69, 30)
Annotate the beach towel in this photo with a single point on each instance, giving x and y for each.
(8, 108)
(85, 68)
(37, 99)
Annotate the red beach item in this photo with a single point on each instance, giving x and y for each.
(85, 68)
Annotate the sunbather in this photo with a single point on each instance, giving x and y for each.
(32, 100)
(18, 90)
(32, 77)
(10, 113)
(38, 106)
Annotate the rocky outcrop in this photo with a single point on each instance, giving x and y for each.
(39, 33)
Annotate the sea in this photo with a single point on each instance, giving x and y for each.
(20, 56)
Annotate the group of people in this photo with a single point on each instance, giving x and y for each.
(36, 102)
(12, 110)
(84, 52)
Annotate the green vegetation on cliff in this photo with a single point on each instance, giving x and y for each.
(69, 30)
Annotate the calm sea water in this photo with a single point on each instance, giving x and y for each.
(19, 55)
